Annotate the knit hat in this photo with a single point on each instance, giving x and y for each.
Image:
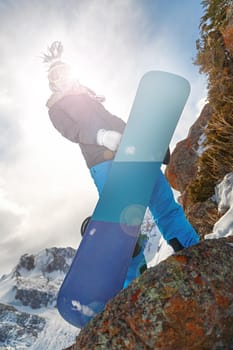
(59, 73)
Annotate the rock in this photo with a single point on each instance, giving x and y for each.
(26, 262)
(60, 259)
(182, 170)
(185, 302)
(17, 326)
(37, 277)
(35, 298)
(47, 261)
(182, 167)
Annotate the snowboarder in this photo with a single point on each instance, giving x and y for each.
(79, 115)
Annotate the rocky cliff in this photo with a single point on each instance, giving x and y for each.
(182, 170)
(182, 167)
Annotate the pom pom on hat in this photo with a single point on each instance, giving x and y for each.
(59, 73)
(54, 53)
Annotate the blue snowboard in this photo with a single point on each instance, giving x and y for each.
(100, 266)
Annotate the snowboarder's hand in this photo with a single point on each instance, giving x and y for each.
(108, 138)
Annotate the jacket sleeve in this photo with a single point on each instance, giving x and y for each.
(64, 124)
(78, 118)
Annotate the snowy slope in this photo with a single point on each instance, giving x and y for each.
(57, 334)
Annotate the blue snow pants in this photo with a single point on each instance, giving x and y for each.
(168, 215)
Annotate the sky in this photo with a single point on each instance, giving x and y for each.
(45, 188)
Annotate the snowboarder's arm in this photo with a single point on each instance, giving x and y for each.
(64, 124)
(72, 130)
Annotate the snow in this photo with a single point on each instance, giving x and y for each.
(224, 197)
(222, 228)
(57, 333)
(7, 294)
(156, 249)
(200, 143)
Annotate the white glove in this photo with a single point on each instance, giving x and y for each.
(109, 139)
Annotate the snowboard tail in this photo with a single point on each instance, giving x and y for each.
(100, 266)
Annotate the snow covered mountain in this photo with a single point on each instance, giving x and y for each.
(28, 314)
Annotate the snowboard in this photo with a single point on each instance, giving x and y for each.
(100, 265)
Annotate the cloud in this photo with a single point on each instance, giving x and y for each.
(9, 224)
(11, 218)
(10, 136)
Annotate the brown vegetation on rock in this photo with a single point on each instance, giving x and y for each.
(215, 59)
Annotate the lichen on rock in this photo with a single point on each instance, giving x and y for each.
(185, 302)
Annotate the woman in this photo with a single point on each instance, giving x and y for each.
(78, 114)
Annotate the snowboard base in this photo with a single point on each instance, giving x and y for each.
(100, 266)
